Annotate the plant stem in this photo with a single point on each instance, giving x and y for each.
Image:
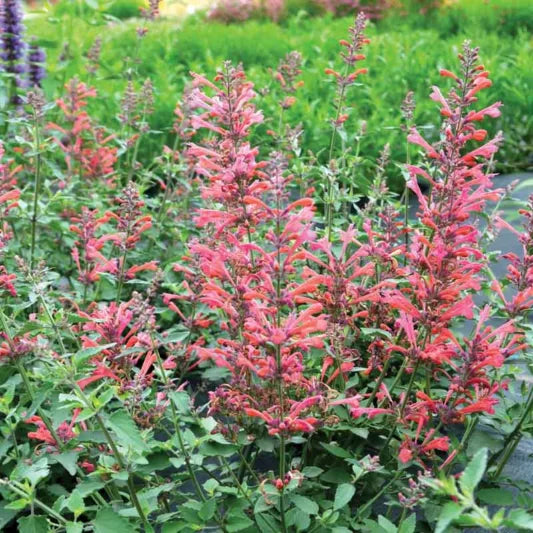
(329, 205)
(34, 501)
(37, 188)
(404, 402)
(513, 439)
(379, 381)
(117, 455)
(464, 441)
(362, 509)
(223, 461)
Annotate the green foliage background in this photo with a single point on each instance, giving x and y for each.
(406, 52)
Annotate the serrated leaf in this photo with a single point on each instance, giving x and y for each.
(474, 472)
(106, 520)
(299, 519)
(68, 460)
(126, 430)
(17, 505)
(32, 524)
(305, 504)
(34, 472)
(88, 487)
(449, 513)
(181, 400)
(343, 495)
(267, 523)
(213, 449)
(336, 475)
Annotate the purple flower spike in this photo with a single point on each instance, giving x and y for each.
(36, 68)
(12, 45)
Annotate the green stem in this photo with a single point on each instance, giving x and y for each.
(513, 439)
(223, 461)
(117, 455)
(384, 489)
(329, 191)
(404, 403)
(19, 492)
(36, 191)
(379, 381)
(177, 429)
(121, 275)
(464, 441)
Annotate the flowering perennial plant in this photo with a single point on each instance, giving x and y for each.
(218, 340)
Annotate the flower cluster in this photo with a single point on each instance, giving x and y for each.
(9, 196)
(129, 223)
(264, 334)
(86, 147)
(13, 47)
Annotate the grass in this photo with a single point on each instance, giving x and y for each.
(404, 55)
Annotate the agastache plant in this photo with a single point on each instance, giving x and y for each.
(264, 336)
(350, 57)
(200, 348)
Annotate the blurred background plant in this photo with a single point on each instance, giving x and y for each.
(409, 39)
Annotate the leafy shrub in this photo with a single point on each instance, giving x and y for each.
(230, 334)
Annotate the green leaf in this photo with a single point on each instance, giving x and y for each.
(343, 495)
(304, 504)
(214, 449)
(34, 472)
(449, 513)
(17, 505)
(6, 515)
(33, 524)
(208, 509)
(75, 503)
(386, 525)
(474, 472)
(267, 523)
(372, 332)
(299, 519)
(126, 430)
(312, 471)
(336, 475)
(74, 527)
(182, 401)
(68, 460)
(408, 525)
(86, 353)
(238, 523)
(106, 521)
(483, 439)
(519, 518)
(496, 496)
(88, 487)
(335, 450)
